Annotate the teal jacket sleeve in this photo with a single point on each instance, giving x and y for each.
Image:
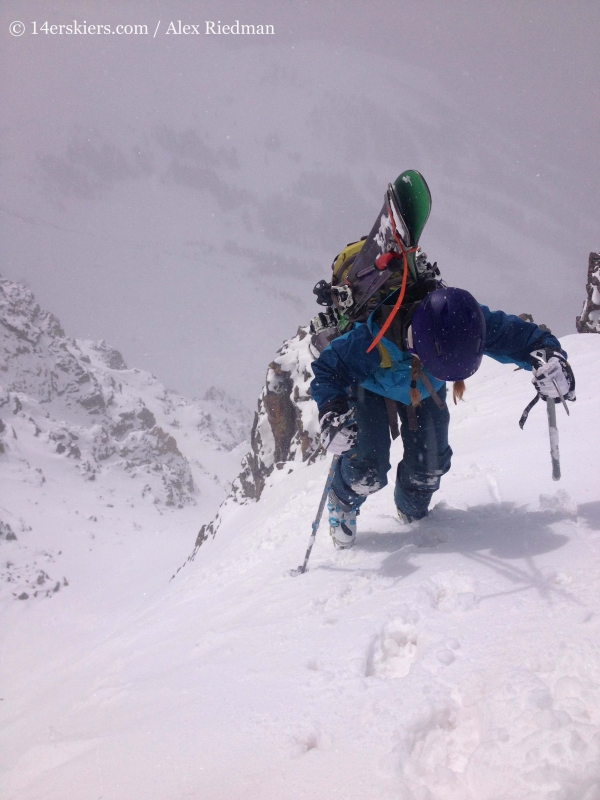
(343, 364)
(509, 339)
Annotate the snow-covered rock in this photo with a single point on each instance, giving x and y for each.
(80, 399)
(285, 429)
(286, 424)
(72, 410)
(589, 321)
(225, 421)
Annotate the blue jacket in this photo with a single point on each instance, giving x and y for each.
(345, 362)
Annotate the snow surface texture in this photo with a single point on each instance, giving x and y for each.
(71, 412)
(453, 659)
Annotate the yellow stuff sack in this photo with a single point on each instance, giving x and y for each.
(344, 260)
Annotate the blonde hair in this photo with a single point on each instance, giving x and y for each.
(458, 389)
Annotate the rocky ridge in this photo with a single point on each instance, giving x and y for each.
(285, 424)
(84, 403)
(71, 410)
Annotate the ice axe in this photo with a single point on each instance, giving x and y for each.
(553, 431)
(540, 355)
(302, 568)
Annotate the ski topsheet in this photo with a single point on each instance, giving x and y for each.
(412, 199)
(404, 213)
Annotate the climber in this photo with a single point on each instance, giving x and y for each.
(360, 392)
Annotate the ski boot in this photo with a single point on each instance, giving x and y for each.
(342, 522)
(406, 519)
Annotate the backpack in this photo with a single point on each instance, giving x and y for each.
(374, 268)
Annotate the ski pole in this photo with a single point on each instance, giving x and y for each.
(553, 431)
(302, 569)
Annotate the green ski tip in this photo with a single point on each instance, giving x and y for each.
(413, 199)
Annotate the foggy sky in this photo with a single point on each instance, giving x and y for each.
(179, 196)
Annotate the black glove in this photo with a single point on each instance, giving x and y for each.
(338, 431)
(552, 375)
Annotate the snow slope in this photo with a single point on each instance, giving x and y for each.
(450, 660)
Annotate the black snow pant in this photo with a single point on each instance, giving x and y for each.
(427, 454)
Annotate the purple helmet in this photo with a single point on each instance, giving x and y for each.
(448, 332)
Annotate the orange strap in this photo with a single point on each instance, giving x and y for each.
(398, 302)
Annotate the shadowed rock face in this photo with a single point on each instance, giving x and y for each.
(280, 410)
(286, 422)
(589, 321)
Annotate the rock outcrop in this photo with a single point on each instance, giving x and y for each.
(589, 321)
(285, 429)
(285, 425)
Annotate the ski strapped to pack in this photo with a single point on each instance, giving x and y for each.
(384, 259)
(370, 271)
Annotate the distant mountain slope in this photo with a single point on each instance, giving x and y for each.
(72, 412)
